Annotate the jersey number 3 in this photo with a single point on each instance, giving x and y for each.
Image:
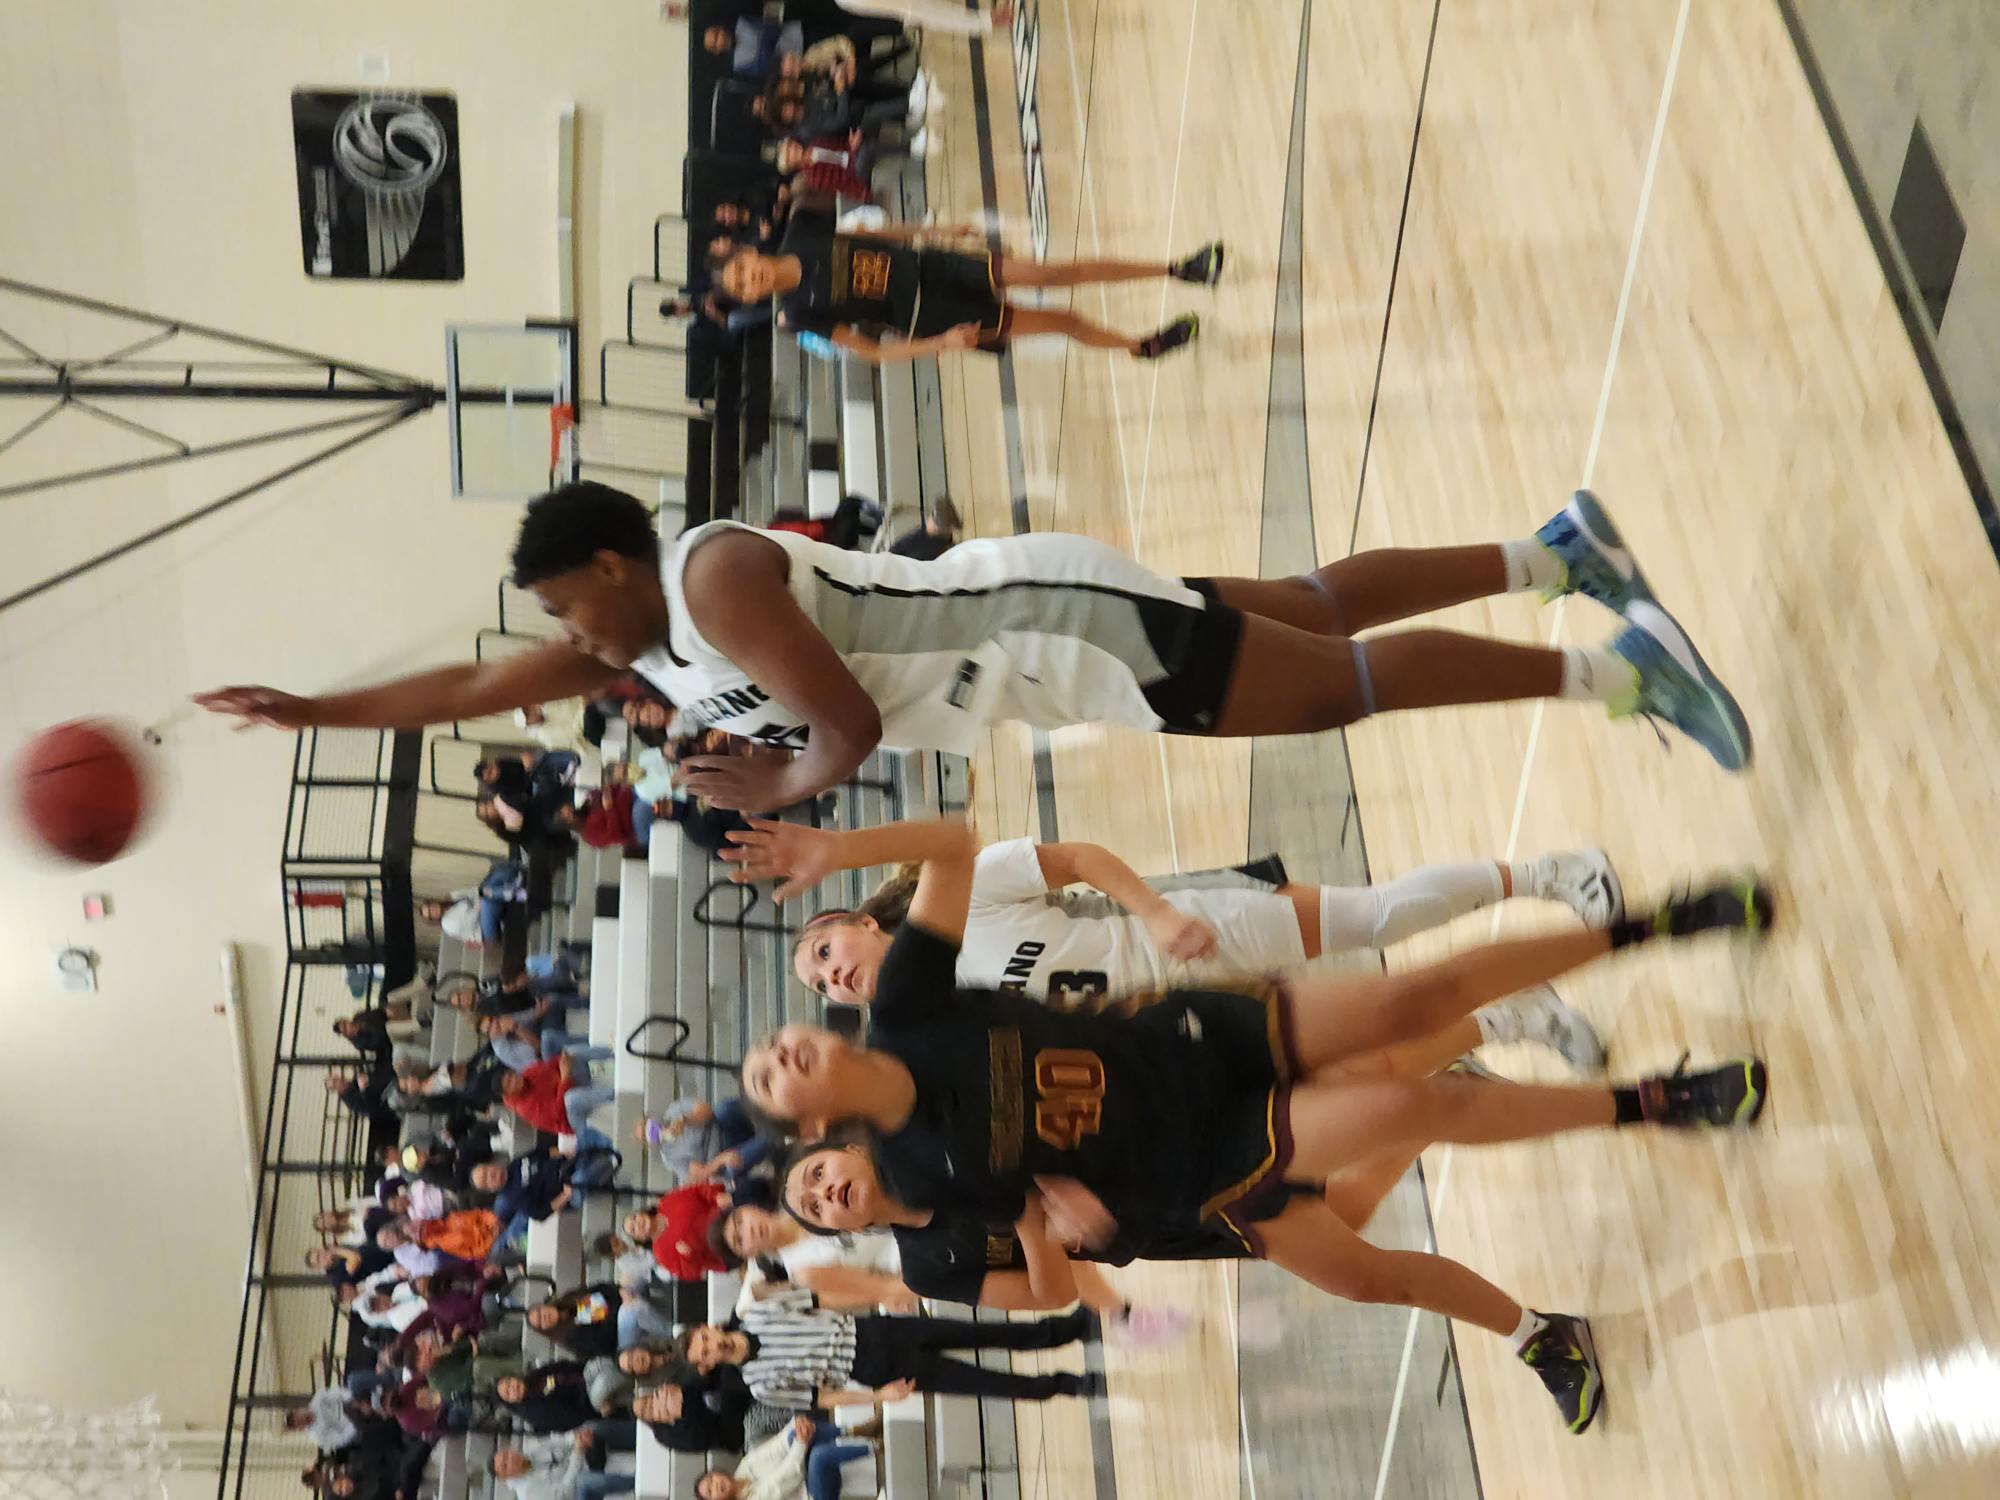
(1069, 1096)
(1078, 989)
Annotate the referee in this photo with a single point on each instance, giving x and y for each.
(796, 1354)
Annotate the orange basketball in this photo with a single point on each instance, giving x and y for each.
(81, 790)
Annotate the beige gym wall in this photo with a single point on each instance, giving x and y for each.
(149, 162)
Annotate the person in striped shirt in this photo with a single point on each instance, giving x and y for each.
(796, 1354)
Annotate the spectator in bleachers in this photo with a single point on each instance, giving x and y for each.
(326, 1418)
(367, 1094)
(610, 1389)
(583, 1320)
(417, 1409)
(802, 1462)
(559, 1467)
(507, 780)
(688, 1417)
(798, 107)
(343, 1266)
(466, 1233)
(556, 1095)
(754, 47)
(550, 1397)
(855, 1272)
(566, 724)
(394, 1306)
(520, 1044)
(610, 817)
(697, 1141)
(631, 1265)
(677, 1228)
(794, 1353)
(648, 719)
(474, 917)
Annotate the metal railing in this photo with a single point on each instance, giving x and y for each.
(344, 874)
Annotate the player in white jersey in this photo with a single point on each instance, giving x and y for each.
(797, 643)
(1023, 934)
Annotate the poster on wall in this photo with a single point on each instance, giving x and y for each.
(378, 185)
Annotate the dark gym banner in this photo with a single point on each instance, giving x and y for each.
(378, 185)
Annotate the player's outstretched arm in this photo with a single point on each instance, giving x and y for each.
(545, 675)
(1172, 931)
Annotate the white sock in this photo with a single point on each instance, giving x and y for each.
(1532, 878)
(1594, 675)
(1500, 1023)
(1375, 916)
(1531, 1324)
(1530, 565)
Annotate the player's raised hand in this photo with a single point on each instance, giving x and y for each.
(798, 856)
(259, 705)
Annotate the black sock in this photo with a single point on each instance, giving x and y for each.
(1632, 930)
(1625, 1104)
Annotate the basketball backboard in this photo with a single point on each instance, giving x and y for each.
(510, 401)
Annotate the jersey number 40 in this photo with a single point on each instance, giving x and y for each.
(1069, 1096)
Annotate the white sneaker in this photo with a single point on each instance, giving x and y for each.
(1143, 1326)
(920, 145)
(1584, 881)
(1539, 1015)
(919, 98)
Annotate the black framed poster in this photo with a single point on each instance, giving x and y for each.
(378, 185)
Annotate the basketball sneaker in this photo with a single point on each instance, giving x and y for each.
(1725, 1098)
(1203, 268)
(1564, 1355)
(1139, 1325)
(1582, 880)
(1542, 1016)
(1741, 903)
(1595, 562)
(1177, 333)
(1675, 684)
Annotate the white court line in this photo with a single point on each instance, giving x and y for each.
(1167, 251)
(1555, 631)
(1111, 375)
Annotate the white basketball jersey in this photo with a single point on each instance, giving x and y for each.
(1037, 628)
(1021, 936)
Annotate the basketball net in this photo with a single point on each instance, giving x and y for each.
(562, 443)
(55, 1453)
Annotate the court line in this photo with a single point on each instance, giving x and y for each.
(1167, 250)
(1555, 631)
(1395, 273)
(1132, 525)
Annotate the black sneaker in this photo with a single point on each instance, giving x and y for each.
(1728, 1097)
(1203, 268)
(1566, 1359)
(1740, 904)
(1181, 331)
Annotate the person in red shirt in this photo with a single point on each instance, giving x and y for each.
(555, 1095)
(678, 1228)
(832, 166)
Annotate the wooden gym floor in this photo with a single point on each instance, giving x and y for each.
(1629, 259)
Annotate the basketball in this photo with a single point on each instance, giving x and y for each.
(81, 790)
